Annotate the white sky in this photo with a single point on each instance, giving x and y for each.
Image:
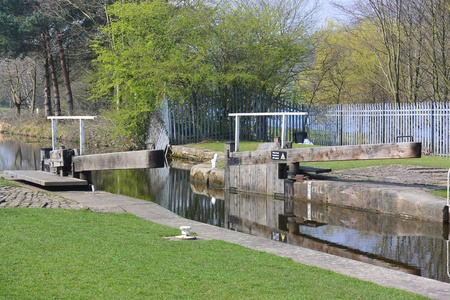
(329, 11)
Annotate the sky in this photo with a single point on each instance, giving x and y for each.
(328, 11)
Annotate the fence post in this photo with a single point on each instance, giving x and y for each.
(341, 129)
(432, 126)
(384, 124)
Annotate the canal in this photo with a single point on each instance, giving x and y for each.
(410, 246)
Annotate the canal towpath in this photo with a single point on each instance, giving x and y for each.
(103, 202)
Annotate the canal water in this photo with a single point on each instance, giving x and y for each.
(410, 246)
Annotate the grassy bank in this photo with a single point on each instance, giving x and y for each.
(51, 253)
(99, 133)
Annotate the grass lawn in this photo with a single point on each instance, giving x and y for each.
(56, 253)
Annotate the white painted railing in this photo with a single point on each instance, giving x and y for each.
(378, 123)
(283, 126)
(81, 118)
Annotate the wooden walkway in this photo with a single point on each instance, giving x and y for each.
(45, 178)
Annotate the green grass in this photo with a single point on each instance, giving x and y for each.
(441, 193)
(64, 254)
(243, 146)
(3, 181)
(427, 161)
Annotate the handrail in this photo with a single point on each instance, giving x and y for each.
(283, 114)
(81, 118)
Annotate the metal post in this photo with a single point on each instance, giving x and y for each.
(432, 126)
(283, 114)
(236, 134)
(283, 124)
(81, 118)
(54, 145)
(82, 147)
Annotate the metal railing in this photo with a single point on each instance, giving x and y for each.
(283, 123)
(81, 118)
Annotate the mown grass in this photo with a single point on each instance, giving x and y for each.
(64, 254)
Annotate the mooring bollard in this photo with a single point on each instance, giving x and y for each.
(185, 233)
(214, 160)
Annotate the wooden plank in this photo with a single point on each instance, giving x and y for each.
(306, 170)
(144, 159)
(334, 153)
(45, 178)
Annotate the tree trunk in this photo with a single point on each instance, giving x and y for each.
(14, 85)
(65, 74)
(33, 79)
(51, 64)
(18, 106)
(47, 96)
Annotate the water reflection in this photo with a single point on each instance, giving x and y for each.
(16, 155)
(168, 187)
(405, 245)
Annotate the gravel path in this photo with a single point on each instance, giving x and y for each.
(402, 174)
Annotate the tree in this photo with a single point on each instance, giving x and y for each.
(77, 21)
(344, 68)
(20, 76)
(332, 67)
(414, 49)
(434, 42)
(49, 27)
(385, 16)
(18, 21)
(157, 49)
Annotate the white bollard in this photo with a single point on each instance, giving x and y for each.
(214, 160)
(185, 233)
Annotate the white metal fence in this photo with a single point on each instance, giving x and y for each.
(353, 124)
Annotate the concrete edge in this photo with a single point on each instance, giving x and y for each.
(394, 199)
(404, 201)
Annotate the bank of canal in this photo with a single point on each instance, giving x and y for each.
(411, 246)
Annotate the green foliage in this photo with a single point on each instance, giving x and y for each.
(55, 253)
(345, 69)
(154, 50)
(18, 25)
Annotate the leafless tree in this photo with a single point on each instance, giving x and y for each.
(20, 77)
